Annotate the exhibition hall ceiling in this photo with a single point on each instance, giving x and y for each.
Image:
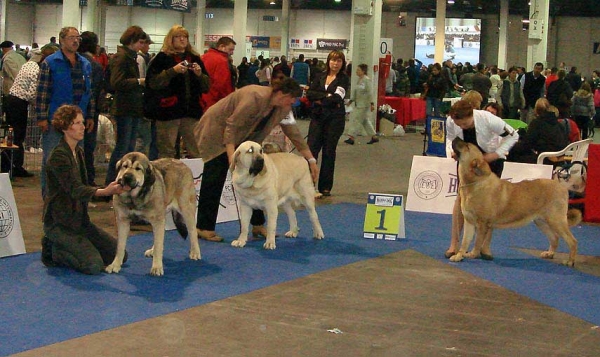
(466, 8)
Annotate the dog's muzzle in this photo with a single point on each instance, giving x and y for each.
(128, 180)
(457, 145)
(257, 166)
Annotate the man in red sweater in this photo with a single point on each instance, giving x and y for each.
(220, 71)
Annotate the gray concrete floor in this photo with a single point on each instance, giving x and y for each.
(402, 304)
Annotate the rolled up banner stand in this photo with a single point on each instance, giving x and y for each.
(11, 235)
(435, 131)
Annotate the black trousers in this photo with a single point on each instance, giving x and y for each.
(583, 123)
(213, 180)
(324, 133)
(89, 146)
(16, 116)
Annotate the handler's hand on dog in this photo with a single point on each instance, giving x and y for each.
(113, 188)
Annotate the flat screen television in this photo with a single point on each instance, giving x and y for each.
(461, 44)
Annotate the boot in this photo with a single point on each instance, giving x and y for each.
(47, 253)
(349, 141)
(373, 140)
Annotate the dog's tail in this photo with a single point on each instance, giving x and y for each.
(574, 216)
(180, 224)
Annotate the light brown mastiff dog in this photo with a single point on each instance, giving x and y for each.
(488, 202)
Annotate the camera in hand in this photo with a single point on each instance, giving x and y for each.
(187, 64)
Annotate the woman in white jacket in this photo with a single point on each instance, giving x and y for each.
(492, 136)
(363, 106)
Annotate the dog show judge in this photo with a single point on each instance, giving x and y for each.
(490, 134)
(246, 114)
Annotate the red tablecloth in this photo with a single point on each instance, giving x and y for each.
(407, 109)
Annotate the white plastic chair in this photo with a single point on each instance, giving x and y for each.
(573, 177)
(577, 151)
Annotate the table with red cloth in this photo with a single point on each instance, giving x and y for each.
(407, 109)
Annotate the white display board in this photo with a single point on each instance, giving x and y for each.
(11, 236)
(433, 182)
(433, 185)
(228, 210)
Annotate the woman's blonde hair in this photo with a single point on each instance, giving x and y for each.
(474, 98)
(176, 30)
(542, 105)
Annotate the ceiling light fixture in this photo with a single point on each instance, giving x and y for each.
(272, 3)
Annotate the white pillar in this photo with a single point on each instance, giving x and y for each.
(503, 34)
(200, 17)
(71, 14)
(3, 7)
(240, 18)
(537, 44)
(285, 28)
(90, 21)
(365, 42)
(440, 31)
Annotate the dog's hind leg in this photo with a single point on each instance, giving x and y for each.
(307, 196)
(552, 238)
(245, 215)
(293, 221)
(123, 227)
(469, 232)
(189, 217)
(558, 229)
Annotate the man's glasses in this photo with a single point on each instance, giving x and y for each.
(71, 38)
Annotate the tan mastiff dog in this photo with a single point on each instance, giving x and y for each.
(267, 181)
(154, 188)
(488, 202)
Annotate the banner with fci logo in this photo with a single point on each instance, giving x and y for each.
(11, 236)
(433, 182)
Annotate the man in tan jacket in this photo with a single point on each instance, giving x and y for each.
(246, 114)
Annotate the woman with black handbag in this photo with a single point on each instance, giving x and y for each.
(175, 79)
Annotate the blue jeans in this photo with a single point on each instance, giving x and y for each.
(89, 146)
(146, 140)
(434, 106)
(127, 130)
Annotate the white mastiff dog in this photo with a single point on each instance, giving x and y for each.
(267, 181)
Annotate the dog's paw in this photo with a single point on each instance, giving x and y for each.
(113, 268)
(485, 256)
(450, 253)
(456, 257)
(195, 255)
(569, 263)
(269, 245)
(472, 255)
(547, 255)
(319, 234)
(149, 253)
(238, 243)
(292, 233)
(157, 270)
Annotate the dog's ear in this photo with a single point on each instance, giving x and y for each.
(118, 166)
(236, 154)
(149, 176)
(477, 166)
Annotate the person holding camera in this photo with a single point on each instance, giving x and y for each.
(175, 80)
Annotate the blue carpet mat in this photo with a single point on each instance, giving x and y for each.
(41, 306)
